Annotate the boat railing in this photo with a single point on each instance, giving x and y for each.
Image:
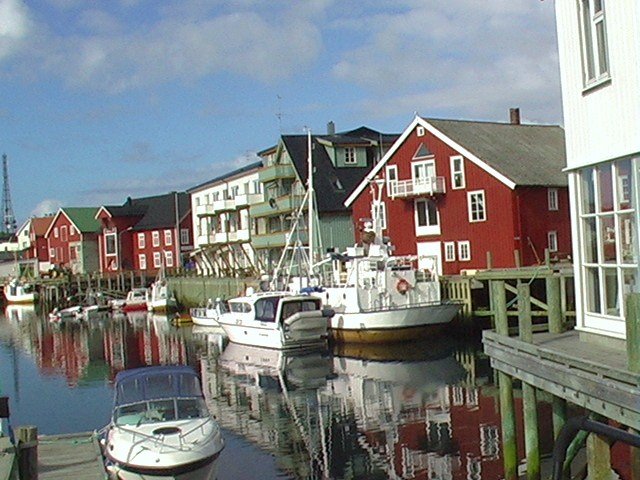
(376, 308)
(159, 440)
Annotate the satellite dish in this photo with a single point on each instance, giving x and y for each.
(272, 203)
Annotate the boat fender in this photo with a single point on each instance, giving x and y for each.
(403, 286)
(328, 312)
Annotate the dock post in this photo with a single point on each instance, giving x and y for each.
(27, 438)
(554, 304)
(598, 457)
(507, 411)
(633, 359)
(529, 400)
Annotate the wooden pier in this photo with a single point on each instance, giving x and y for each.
(63, 457)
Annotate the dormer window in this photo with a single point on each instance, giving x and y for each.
(350, 156)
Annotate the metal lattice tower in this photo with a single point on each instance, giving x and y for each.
(8, 220)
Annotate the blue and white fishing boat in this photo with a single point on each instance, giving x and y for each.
(160, 424)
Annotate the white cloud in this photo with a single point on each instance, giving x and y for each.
(46, 207)
(15, 26)
(462, 55)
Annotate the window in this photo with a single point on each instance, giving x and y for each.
(155, 238)
(552, 241)
(235, 191)
(350, 156)
(52, 253)
(141, 241)
(110, 247)
(157, 259)
(449, 251)
(55, 232)
(426, 217)
(184, 236)
(72, 230)
(63, 233)
(167, 237)
(392, 179)
(168, 258)
(552, 199)
(142, 261)
(595, 58)
(607, 233)
(379, 214)
(420, 131)
(476, 206)
(464, 251)
(457, 172)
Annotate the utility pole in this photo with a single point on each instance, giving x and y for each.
(8, 220)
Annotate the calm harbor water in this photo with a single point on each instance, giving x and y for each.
(420, 411)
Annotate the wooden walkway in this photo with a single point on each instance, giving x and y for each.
(75, 456)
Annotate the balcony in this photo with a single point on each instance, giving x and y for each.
(274, 172)
(220, 237)
(272, 240)
(205, 239)
(204, 210)
(275, 206)
(223, 205)
(246, 199)
(243, 235)
(417, 187)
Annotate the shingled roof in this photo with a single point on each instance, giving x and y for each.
(155, 212)
(332, 185)
(528, 155)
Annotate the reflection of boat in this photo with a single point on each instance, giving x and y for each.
(275, 320)
(63, 314)
(20, 313)
(160, 423)
(136, 300)
(18, 292)
(159, 296)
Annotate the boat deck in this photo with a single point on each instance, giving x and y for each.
(77, 456)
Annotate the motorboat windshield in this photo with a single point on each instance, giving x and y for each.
(158, 394)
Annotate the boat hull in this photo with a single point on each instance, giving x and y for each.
(391, 325)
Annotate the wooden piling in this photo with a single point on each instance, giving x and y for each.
(27, 438)
(507, 411)
(554, 304)
(598, 458)
(633, 331)
(529, 400)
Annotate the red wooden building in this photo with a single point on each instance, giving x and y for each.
(467, 195)
(145, 234)
(72, 239)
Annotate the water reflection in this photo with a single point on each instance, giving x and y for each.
(422, 411)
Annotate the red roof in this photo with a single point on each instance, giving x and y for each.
(40, 225)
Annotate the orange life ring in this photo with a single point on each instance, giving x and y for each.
(403, 286)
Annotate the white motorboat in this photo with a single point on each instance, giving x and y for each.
(160, 424)
(20, 312)
(275, 320)
(207, 316)
(135, 300)
(18, 292)
(159, 297)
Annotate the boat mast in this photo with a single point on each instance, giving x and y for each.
(310, 200)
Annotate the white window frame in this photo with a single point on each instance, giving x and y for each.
(552, 241)
(449, 251)
(115, 244)
(593, 39)
(464, 251)
(168, 238)
(552, 199)
(72, 230)
(477, 206)
(420, 131)
(157, 259)
(55, 232)
(155, 238)
(142, 261)
(141, 240)
(52, 252)
(458, 180)
(350, 156)
(168, 258)
(428, 229)
(391, 171)
(184, 236)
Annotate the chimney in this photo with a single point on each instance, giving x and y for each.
(331, 128)
(514, 115)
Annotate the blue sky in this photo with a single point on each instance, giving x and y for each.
(104, 99)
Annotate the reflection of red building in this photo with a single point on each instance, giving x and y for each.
(65, 351)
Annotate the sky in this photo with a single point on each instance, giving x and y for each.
(105, 99)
